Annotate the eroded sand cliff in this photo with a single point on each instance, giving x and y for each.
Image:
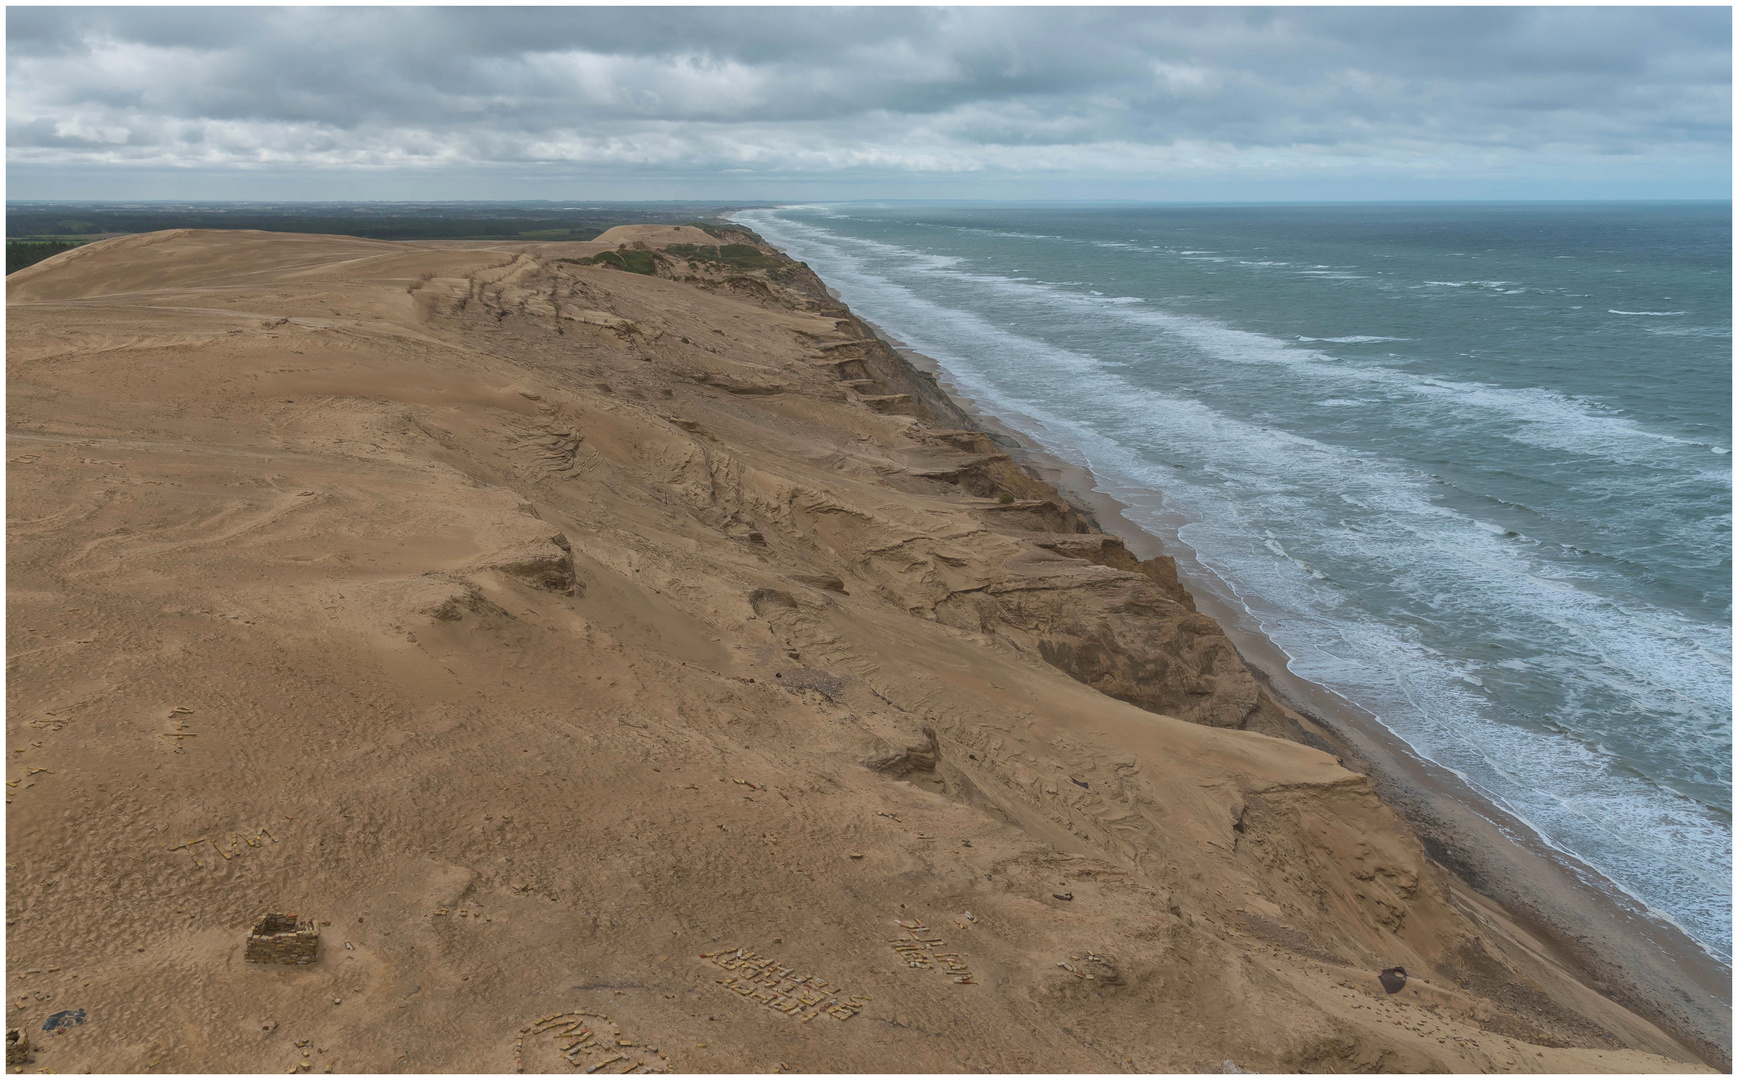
(543, 627)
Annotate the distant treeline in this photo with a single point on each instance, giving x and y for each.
(22, 253)
(376, 221)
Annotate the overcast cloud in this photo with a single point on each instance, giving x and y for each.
(837, 103)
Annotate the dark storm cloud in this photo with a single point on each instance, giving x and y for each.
(781, 91)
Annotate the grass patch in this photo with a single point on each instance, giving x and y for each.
(637, 262)
(725, 231)
(741, 256)
(561, 234)
(22, 253)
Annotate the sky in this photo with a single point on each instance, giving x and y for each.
(812, 104)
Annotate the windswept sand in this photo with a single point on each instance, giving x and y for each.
(543, 627)
(1506, 875)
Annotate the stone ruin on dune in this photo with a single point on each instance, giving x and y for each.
(283, 938)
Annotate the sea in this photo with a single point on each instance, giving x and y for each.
(1468, 465)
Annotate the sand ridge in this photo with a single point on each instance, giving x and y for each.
(549, 630)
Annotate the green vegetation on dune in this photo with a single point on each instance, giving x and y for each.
(739, 257)
(742, 256)
(638, 262)
(726, 230)
(22, 253)
(560, 234)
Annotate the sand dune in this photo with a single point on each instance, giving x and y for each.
(553, 632)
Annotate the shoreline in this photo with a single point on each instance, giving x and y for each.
(1583, 922)
(694, 569)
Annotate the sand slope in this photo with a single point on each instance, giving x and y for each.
(544, 627)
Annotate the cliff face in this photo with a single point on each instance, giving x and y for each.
(548, 627)
(1131, 632)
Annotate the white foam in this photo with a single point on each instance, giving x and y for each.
(1531, 415)
(1232, 479)
(1354, 339)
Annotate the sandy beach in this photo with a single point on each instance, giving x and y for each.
(630, 663)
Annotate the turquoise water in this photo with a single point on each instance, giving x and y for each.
(1468, 465)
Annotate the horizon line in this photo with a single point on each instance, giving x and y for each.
(780, 203)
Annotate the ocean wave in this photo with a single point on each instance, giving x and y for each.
(1667, 330)
(1006, 234)
(1614, 311)
(1229, 484)
(1494, 286)
(1354, 339)
(1534, 416)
